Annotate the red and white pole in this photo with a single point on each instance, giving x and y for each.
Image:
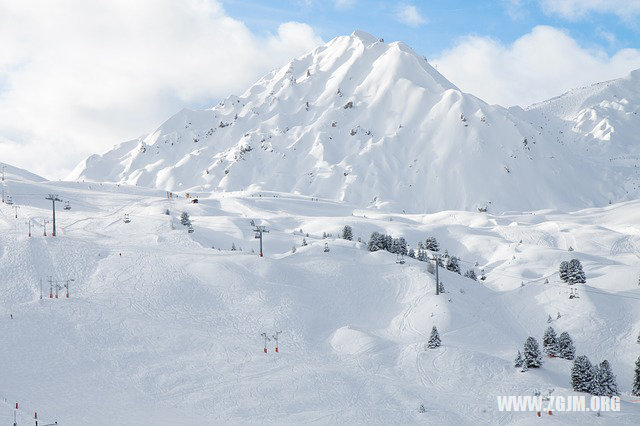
(276, 337)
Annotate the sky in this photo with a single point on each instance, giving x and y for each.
(79, 76)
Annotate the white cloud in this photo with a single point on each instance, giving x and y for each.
(77, 77)
(575, 9)
(410, 15)
(539, 65)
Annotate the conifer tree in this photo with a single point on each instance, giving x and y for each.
(471, 274)
(411, 253)
(575, 272)
(452, 264)
(347, 233)
(395, 246)
(635, 388)
(375, 242)
(434, 339)
(388, 242)
(605, 381)
(184, 219)
(518, 362)
(550, 342)
(564, 271)
(304, 242)
(582, 379)
(431, 244)
(566, 349)
(532, 355)
(402, 246)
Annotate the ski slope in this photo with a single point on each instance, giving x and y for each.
(163, 326)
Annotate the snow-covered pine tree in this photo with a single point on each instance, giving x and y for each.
(582, 374)
(576, 273)
(184, 219)
(550, 342)
(564, 271)
(411, 253)
(347, 233)
(517, 363)
(395, 246)
(420, 245)
(375, 242)
(431, 244)
(635, 387)
(402, 246)
(638, 341)
(304, 242)
(605, 381)
(434, 339)
(233, 247)
(452, 264)
(471, 274)
(388, 242)
(532, 355)
(566, 348)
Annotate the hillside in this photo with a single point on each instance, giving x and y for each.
(373, 124)
(163, 326)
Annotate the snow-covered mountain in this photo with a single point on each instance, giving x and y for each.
(372, 123)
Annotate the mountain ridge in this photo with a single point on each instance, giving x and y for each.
(367, 122)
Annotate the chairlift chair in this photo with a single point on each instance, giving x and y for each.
(67, 206)
(126, 218)
(326, 247)
(190, 230)
(574, 294)
(8, 200)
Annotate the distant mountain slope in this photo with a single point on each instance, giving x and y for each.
(16, 173)
(371, 123)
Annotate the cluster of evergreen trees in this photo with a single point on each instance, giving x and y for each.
(561, 347)
(571, 272)
(386, 242)
(594, 379)
(552, 345)
(379, 241)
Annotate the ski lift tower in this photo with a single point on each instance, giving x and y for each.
(259, 231)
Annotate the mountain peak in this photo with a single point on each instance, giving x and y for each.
(365, 37)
